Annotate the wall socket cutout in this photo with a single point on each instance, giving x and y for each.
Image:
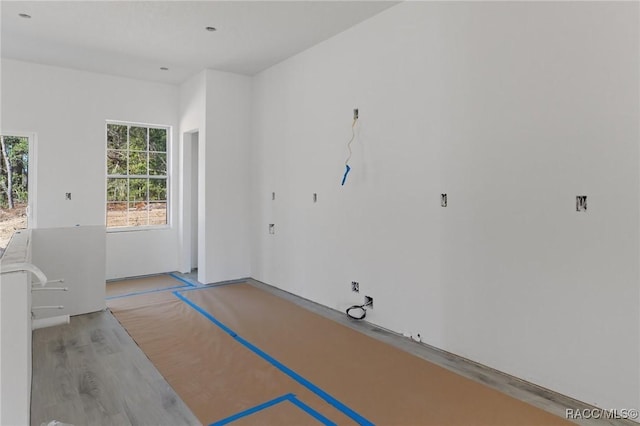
(355, 113)
(273, 196)
(443, 200)
(581, 203)
(355, 286)
(315, 197)
(272, 228)
(67, 196)
(368, 301)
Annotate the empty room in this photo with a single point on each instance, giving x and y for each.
(402, 213)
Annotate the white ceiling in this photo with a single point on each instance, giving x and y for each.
(136, 38)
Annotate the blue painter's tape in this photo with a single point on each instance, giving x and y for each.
(184, 280)
(306, 383)
(202, 287)
(286, 370)
(205, 314)
(313, 413)
(253, 410)
(136, 293)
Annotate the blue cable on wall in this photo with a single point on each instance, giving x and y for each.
(346, 172)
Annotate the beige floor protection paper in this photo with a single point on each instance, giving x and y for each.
(156, 282)
(218, 377)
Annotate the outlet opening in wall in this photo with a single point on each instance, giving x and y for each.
(368, 302)
(581, 203)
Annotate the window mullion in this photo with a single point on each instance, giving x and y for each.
(128, 176)
(148, 180)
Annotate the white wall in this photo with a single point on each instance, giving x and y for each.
(512, 109)
(224, 154)
(75, 255)
(217, 105)
(67, 110)
(193, 95)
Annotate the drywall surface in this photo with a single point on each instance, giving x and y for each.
(75, 255)
(223, 156)
(132, 254)
(67, 110)
(512, 109)
(217, 106)
(193, 98)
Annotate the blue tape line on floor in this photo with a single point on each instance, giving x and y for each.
(156, 290)
(313, 413)
(252, 410)
(206, 314)
(184, 280)
(289, 372)
(201, 287)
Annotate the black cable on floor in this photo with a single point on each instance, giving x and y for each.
(364, 311)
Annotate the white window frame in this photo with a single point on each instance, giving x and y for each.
(169, 203)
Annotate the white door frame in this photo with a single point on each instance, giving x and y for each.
(186, 197)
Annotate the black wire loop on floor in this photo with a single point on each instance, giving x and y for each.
(364, 312)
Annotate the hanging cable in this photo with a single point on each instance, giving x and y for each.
(361, 307)
(353, 136)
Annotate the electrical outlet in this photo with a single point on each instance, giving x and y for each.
(272, 228)
(581, 203)
(315, 197)
(355, 286)
(443, 200)
(355, 113)
(67, 196)
(368, 301)
(273, 196)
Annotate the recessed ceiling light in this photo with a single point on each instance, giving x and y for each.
(24, 15)
(211, 29)
(164, 68)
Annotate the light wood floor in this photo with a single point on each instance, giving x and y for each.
(91, 372)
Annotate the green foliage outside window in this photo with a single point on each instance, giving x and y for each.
(136, 175)
(14, 171)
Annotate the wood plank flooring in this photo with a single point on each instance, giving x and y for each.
(91, 372)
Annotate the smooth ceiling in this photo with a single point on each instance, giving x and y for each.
(136, 38)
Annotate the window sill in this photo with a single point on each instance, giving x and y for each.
(116, 230)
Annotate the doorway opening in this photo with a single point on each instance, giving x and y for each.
(191, 214)
(15, 184)
(194, 203)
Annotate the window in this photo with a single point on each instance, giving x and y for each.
(137, 180)
(15, 183)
